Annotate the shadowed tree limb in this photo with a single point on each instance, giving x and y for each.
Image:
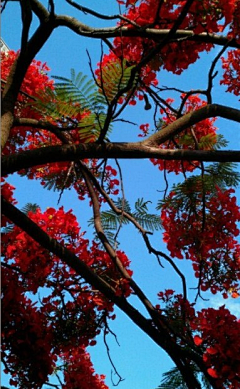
(43, 155)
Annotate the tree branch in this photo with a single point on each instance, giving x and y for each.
(26, 22)
(151, 33)
(19, 69)
(43, 155)
(191, 118)
(109, 249)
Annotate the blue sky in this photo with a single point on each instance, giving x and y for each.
(138, 359)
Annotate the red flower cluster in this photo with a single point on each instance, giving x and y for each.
(173, 57)
(231, 76)
(203, 16)
(219, 338)
(144, 130)
(72, 313)
(35, 81)
(7, 194)
(27, 337)
(206, 236)
(36, 77)
(204, 134)
(215, 332)
(79, 372)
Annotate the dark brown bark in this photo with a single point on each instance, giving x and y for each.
(18, 71)
(27, 159)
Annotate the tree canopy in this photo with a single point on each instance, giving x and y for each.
(60, 288)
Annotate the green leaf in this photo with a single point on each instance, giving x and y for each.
(221, 142)
(222, 175)
(80, 89)
(75, 102)
(207, 142)
(112, 221)
(186, 140)
(173, 379)
(30, 207)
(147, 220)
(115, 76)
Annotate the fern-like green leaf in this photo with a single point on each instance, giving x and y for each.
(115, 76)
(79, 89)
(220, 143)
(186, 140)
(173, 379)
(222, 175)
(123, 204)
(112, 221)
(207, 142)
(74, 103)
(30, 207)
(148, 221)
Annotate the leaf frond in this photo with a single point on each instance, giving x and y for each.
(217, 175)
(115, 76)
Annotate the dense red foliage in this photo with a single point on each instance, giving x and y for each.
(213, 331)
(207, 236)
(35, 81)
(231, 77)
(72, 313)
(218, 335)
(80, 372)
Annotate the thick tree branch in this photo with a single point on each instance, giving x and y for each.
(41, 156)
(41, 125)
(18, 71)
(26, 22)
(188, 120)
(151, 33)
(40, 11)
(109, 249)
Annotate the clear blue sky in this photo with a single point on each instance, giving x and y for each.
(138, 359)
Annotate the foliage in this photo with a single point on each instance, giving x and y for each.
(172, 380)
(74, 102)
(112, 221)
